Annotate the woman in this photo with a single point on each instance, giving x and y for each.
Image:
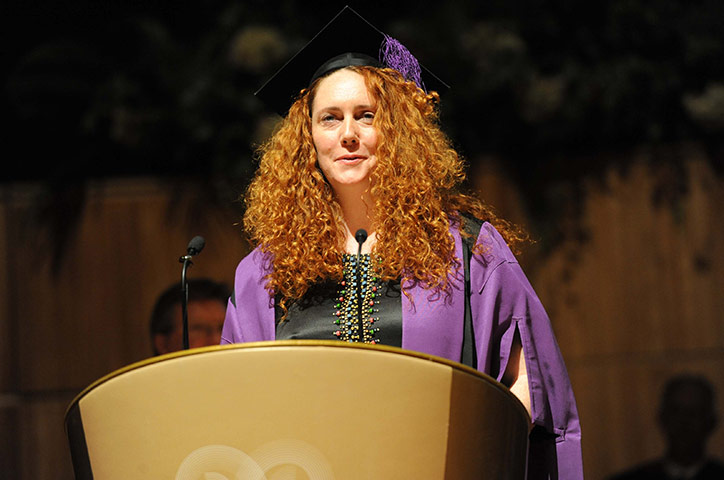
(360, 150)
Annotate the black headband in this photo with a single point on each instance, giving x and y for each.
(344, 60)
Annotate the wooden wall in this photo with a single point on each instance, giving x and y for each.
(642, 300)
(62, 330)
(639, 301)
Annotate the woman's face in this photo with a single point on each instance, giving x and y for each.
(345, 140)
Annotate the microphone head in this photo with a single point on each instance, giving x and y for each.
(196, 245)
(361, 236)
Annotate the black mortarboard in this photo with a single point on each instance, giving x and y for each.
(348, 39)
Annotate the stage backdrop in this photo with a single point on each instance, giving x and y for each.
(637, 301)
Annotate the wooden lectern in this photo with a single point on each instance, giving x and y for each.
(288, 410)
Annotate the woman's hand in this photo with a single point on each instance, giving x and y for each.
(516, 374)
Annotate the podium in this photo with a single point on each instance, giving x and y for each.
(297, 409)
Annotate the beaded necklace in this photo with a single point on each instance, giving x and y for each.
(351, 307)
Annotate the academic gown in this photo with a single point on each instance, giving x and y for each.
(502, 302)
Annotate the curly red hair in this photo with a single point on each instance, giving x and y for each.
(291, 211)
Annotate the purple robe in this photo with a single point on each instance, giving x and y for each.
(502, 302)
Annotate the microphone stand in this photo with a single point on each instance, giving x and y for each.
(186, 259)
(195, 246)
(361, 237)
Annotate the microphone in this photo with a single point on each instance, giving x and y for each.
(196, 245)
(361, 237)
(194, 248)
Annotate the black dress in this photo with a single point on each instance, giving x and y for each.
(361, 308)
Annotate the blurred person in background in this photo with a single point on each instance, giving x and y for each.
(206, 310)
(687, 416)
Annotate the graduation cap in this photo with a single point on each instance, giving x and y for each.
(348, 39)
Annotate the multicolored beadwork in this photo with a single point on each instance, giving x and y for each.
(349, 304)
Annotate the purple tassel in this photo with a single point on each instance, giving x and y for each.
(394, 55)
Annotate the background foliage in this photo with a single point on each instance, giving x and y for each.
(98, 89)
